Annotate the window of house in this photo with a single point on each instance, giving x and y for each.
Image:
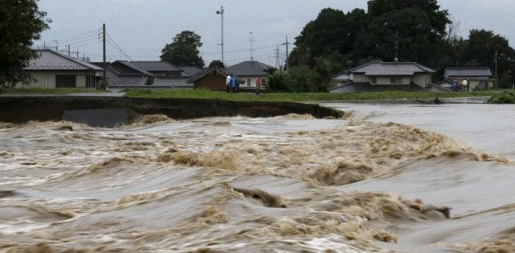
(248, 82)
(373, 79)
(65, 81)
(395, 80)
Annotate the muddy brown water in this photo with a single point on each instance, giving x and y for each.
(386, 178)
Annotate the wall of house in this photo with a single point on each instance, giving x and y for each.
(171, 82)
(47, 79)
(422, 80)
(359, 78)
(473, 81)
(250, 82)
(116, 80)
(211, 81)
(386, 80)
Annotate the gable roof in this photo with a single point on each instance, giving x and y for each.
(48, 59)
(468, 72)
(156, 66)
(378, 68)
(250, 68)
(203, 73)
(190, 70)
(124, 68)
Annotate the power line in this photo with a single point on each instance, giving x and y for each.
(111, 40)
(85, 35)
(242, 50)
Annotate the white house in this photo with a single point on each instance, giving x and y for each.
(249, 71)
(380, 76)
(51, 69)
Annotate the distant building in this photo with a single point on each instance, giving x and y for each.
(249, 71)
(51, 69)
(479, 78)
(125, 74)
(190, 71)
(166, 75)
(210, 78)
(382, 76)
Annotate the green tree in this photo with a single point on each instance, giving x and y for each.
(279, 81)
(480, 50)
(20, 24)
(410, 30)
(184, 50)
(331, 35)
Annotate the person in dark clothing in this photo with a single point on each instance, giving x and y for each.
(234, 82)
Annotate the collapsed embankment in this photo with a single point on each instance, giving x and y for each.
(109, 111)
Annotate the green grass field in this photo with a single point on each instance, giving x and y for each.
(266, 96)
(297, 97)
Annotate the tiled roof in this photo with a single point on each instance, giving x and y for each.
(250, 68)
(377, 68)
(51, 60)
(157, 66)
(468, 72)
(201, 74)
(127, 68)
(188, 71)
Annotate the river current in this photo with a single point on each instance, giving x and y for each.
(386, 178)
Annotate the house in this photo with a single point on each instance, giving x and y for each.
(190, 71)
(124, 74)
(479, 78)
(166, 75)
(51, 69)
(211, 78)
(381, 76)
(249, 71)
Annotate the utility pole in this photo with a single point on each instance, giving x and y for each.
(286, 44)
(221, 13)
(496, 74)
(251, 49)
(104, 79)
(277, 63)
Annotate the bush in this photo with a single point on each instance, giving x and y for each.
(506, 97)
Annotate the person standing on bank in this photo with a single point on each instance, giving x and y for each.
(233, 84)
(228, 83)
(258, 85)
(465, 84)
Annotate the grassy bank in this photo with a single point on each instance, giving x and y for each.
(266, 96)
(297, 97)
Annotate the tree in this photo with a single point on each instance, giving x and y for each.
(480, 51)
(184, 50)
(331, 35)
(216, 64)
(20, 24)
(410, 30)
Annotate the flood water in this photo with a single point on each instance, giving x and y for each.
(386, 178)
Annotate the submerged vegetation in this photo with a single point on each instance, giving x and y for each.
(505, 97)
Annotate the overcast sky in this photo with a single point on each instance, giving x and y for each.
(141, 28)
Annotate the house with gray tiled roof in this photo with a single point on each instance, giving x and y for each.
(249, 71)
(381, 76)
(124, 74)
(166, 75)
(51, 69)
(479, 78)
